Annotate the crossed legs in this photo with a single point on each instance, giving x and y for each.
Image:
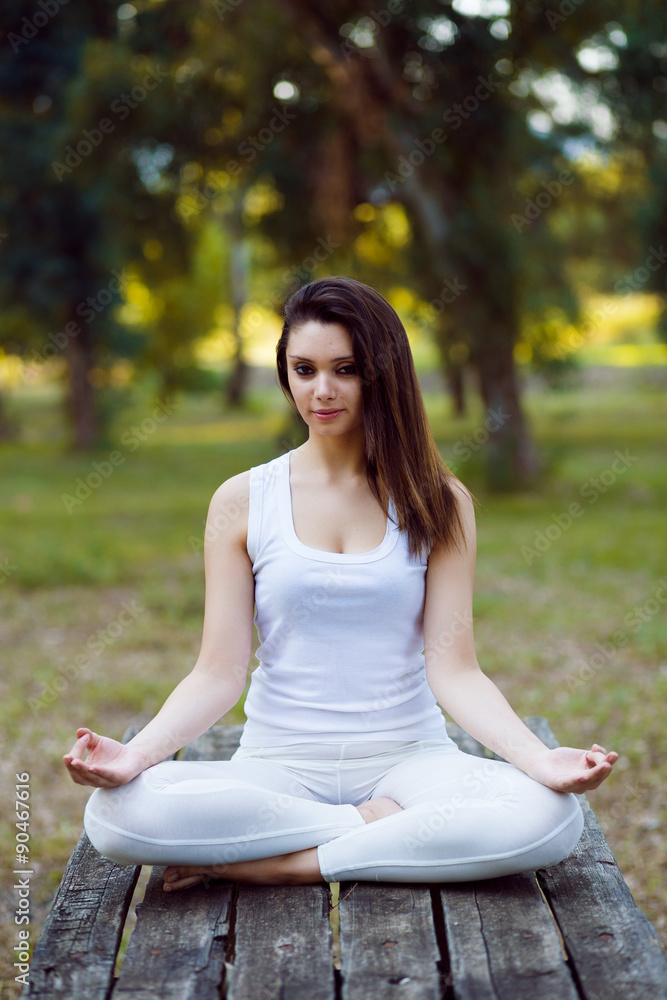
(434, 816)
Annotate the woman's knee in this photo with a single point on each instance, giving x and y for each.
(545, 834)
(107, 818)
(564, 833)
(547, 825)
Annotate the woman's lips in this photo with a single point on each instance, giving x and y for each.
(326, 414)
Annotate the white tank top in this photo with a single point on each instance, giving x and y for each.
(340, 655)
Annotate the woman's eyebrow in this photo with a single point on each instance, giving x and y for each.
(297, 357)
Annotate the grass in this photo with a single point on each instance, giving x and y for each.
(575, 631)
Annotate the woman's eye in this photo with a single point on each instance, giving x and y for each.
(348, 370)
(302, 369)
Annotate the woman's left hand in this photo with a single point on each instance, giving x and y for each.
(568, 770)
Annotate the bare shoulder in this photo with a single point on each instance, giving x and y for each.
(465, 503)
(234, 489)
(463, 495)
(463, 551)
(228, 510)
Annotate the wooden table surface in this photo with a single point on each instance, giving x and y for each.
(571, 932)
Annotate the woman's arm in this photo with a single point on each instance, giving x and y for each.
(469, 696)
(218, 677)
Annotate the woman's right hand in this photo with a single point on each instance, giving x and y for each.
(108, 763)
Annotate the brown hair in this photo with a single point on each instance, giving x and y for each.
(402, 459)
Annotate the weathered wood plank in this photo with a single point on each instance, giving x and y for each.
(177, 949)
(279, 941)
(387, 942)
(282, 944)
(178, 946)
(76, 953)
(75, 956)
(612, 945)
(502, 942)
(282, 937)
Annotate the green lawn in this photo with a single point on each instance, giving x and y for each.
(569, 613)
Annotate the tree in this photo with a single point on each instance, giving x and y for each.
(328, 117)
(51, 263)
(636, 89)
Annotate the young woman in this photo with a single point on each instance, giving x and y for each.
(358, 550)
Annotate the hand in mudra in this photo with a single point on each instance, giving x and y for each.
(108, 763)
(566, 769)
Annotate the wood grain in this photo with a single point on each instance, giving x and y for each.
(282, 944)
(497, 939)
(612, 945)
(503, 943)
(387, 942)
(178, 947)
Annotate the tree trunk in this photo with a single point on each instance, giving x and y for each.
(8, 428)
(168, 385)
(456, 385)
(80, 394)
(454, 354)
(239, 267)
(372, 99)
(238, 381)
(511, 457)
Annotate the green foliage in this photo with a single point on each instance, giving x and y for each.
(419, 146)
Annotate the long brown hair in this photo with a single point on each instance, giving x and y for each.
(402, 459)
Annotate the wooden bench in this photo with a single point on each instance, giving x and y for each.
(565, 933)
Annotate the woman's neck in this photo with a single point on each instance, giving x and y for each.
(342, 456)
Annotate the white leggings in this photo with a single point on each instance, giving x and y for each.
(463, 817)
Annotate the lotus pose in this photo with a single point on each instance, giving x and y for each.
(357, 550)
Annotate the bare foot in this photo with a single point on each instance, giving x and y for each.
(378, 809)
(297, 868)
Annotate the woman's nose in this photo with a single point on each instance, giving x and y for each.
(324, 386)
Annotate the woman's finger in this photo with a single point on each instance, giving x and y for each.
(78, 775)
(83, 742)
(85, 776)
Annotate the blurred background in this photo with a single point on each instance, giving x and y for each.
(170, 172)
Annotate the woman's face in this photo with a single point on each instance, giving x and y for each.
(323, 378)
